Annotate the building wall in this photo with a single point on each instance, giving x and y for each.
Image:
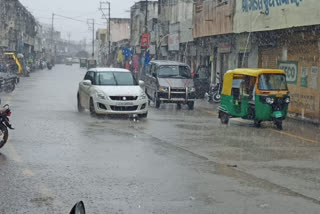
(179, 12)
(299, 49)
(212, 17)
(137, 14)
(263, 15)
(120, 29)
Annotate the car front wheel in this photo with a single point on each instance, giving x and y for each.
(91, 108)
(191, 105)
(157, 101)
(80, 108)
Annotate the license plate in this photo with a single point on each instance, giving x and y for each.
(124, 104)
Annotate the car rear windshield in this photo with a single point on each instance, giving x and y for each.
(115, 78)
(174, 71)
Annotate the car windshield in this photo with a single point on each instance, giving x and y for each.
(272, 82)
(174, 71)
(115, 78)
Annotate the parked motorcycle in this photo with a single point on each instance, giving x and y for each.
(26, 71)
(214, 94)
(49, 65)
(5, 113)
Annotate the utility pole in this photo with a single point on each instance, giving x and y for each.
(90, 22)
(146, 18)
(106, 14)
(69, 35)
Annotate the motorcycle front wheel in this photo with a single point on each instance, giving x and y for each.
(4, 134)
(216, 97)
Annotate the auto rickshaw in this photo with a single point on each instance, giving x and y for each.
(83, 62)
(92, 63)
(13, 56)
(255, 94)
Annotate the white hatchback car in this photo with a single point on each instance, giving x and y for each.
(112, 91)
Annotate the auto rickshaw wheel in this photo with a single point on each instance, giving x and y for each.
(224, 118)
(257, 123)
(80, 108)
(278, 123)
(191, 105)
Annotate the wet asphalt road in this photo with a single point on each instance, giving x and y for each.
(175, 161)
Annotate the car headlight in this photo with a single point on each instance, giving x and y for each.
(287, 100)
(192, 89)
(143, 96)
(163, 89)
(102, 96)
(269, 100)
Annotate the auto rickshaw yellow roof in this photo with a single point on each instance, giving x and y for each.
(254, 72)
(228, 77)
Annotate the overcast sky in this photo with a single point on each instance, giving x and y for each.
(78, 9)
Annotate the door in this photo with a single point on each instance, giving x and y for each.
(202, 81)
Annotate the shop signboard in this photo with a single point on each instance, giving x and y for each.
(314, 77)
(291, 69)
(224, 48)
(174, 42)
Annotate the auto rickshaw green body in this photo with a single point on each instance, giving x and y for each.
(268, 105)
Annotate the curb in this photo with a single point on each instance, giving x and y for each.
(298, 117)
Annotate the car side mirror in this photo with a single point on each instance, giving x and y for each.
(78, 208)
(87, 82)
(141, 83)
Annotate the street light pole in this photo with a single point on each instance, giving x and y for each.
(91, 25)
(52, 22)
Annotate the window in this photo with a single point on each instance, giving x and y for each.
(89, 76)
(153, 69)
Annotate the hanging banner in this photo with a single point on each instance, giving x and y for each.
(145, 40)
(174, 42)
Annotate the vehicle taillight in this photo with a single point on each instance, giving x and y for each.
(9, 114)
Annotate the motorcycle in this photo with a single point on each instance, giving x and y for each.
(27, 71)
(49, 66)
(5, 113)
(214, 93)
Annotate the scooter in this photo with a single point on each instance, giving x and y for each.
(214, 93)
(216, 97)
(5, 113)
(49, 65)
